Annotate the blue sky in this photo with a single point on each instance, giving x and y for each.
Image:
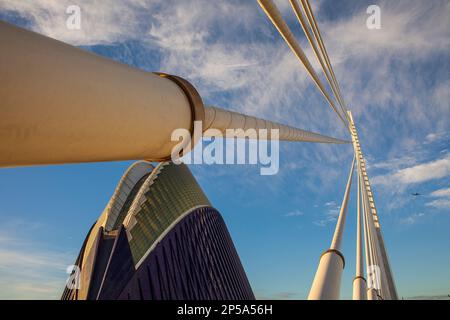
(396, 81)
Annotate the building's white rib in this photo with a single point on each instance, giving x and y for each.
(133, 174)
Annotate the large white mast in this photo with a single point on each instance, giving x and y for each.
(327, 281)
(377, 266)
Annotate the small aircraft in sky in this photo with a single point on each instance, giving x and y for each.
(415, 194)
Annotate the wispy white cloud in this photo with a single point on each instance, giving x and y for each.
(393, 163)
(403, 30)
(383, 73)
(102, 22)
(445, 192)
(330, 204)
(27, 270)
(443, 201)
(412, 219)
(439, 204)
(423, 172)
(295, 213)
(431, 137)
(330, 216)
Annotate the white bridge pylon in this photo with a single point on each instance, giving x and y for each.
(379, 283)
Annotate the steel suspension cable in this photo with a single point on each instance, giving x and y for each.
(368, 244)
(359, 250)
(274, 15)
(339, 231)
(317, 52)
(315, 29)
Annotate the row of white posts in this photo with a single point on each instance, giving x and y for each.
(379, 284)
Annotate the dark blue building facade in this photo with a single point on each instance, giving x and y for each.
(146, 253)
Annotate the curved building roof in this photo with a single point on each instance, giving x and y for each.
(166, 195)
(152, 208)
(147, 201)
(110, 214)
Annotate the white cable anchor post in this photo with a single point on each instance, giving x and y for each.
(327, 281)
(359, 282)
